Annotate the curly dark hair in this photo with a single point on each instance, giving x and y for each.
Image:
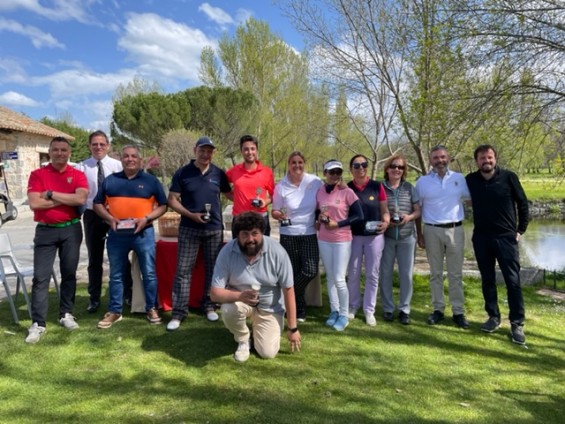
(248, 221)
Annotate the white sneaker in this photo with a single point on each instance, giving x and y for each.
(173, 324)
(68, 321)
(370, 320)
(242, 352)
(212, 315)
(34, 333)
(352, 313)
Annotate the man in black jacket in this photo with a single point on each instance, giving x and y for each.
(496, 195)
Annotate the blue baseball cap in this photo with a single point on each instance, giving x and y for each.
(205, 141)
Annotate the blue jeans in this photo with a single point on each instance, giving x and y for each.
(119, 245)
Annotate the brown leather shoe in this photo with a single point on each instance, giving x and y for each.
(109, 319)
(153, 316)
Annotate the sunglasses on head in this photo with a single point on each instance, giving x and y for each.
(400, 167)
(359, 165)
(335, 171)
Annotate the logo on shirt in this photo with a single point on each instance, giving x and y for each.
(371, 198)
(69, 180)
(140, 186)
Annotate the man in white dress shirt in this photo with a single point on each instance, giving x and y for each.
(96, 168)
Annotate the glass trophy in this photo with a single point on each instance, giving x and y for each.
(323, 218)
(285, 220)
(206, 217)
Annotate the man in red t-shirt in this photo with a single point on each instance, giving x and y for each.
(54, 193)
(253, 183)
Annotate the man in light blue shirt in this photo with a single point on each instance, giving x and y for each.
(252, 278)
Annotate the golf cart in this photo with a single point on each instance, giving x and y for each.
(8, 211)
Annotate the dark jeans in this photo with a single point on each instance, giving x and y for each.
(49, 241)
(95, 231)
(504, 249)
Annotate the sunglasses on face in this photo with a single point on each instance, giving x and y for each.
(364, 165)
(335, 172)
(400, 167)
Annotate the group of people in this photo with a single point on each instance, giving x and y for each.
(362, 223)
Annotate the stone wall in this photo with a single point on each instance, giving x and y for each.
(30, 148)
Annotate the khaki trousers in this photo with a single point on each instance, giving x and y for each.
(267, 327)
(448, 243)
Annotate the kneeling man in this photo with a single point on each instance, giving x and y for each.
(252, 275)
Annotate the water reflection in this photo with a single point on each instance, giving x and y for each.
(543, 245)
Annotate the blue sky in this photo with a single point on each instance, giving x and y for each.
(68, 56)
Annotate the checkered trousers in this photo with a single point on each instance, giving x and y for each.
(189, 241)
(305, 260)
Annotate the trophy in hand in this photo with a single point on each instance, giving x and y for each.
(206, 217)
(256, 203)
(323, 218)
(285, 220)
(256, 287)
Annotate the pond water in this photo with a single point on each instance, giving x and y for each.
(542, 246)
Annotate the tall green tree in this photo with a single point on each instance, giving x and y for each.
(222, 113)
(79, 145)
(259, 62)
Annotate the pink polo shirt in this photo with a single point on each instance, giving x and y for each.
(337, 202)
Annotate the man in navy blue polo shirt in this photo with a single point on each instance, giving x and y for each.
(195, 195)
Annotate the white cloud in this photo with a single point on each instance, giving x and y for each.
(62, 10)
(38, 38)
(79, 82)
(162, 47)
(242, 15)
(17, 99)
(12, 72)
(216, 14)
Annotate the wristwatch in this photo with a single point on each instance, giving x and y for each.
(49, 194)
(293, 330)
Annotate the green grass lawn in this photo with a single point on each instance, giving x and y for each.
(138, 373)
(543, 186)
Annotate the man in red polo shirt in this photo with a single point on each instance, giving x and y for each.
(54, 193)
(253, 182)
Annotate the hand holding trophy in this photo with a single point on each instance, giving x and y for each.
(206, 217)
(256, 203)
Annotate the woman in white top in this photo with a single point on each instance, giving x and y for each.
(294, 206)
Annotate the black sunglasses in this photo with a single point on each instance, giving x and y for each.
(401, 167)
(335, 171)
(359, 165)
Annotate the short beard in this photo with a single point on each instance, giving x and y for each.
(251, 250)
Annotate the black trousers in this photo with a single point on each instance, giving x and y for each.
(49, 241)
(95, 232)
(504, 250)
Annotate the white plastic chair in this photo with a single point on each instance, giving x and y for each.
(11, 268)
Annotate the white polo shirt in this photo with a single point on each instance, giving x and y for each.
(300, 203)
(441, 199)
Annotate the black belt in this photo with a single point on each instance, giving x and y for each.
(448, 225)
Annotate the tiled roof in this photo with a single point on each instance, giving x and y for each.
(10, 120)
